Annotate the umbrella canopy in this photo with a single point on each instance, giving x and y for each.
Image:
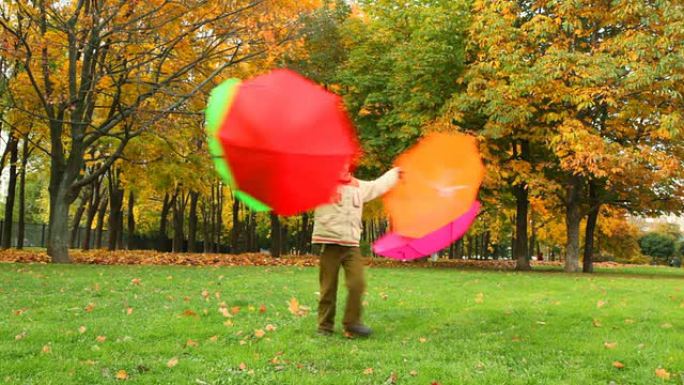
(395, 246)
(218, 105)
(286, 141)
(441, 178)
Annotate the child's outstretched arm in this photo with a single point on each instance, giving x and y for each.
(373, 189)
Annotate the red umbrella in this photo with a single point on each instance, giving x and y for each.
(287, 140)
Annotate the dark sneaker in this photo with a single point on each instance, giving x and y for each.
(324, 332)
(359, 330)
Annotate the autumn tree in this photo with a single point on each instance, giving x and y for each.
(103, 72)
(593, 86)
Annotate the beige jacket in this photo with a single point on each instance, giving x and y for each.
(340, 223)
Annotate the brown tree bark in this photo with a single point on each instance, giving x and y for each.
(192, 222)
(21, 225)
(573, 218)
(13, 146)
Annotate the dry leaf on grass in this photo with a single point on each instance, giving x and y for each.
(121, 375)
(296, 309)
(172, 362)
(662, 373)
(618, 365)
(368, 371)
(610, 345)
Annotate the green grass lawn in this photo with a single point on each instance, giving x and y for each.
(431, 325)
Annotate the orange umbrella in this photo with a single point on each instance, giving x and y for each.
(441, 177)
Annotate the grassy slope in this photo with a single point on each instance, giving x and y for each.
(449, 326)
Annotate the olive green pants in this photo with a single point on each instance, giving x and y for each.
(349, 258)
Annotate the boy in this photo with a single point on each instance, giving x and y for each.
(337, 227)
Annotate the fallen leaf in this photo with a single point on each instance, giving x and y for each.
(662, 373)
(101, 338)
(258, 333)
(135, 281)
(666, 325)
(121, 375)
(90, 307)
(422, 340)
(516, 339)
(262, 309)
(217, 295)
(384, 296)
(270, 328)
(243, 366)
(243, 342)
(82, 329)
(20, 336)
(479, 298)
(251, 308)
(190, 343)
(601, 303)
(47, 349)
(597, 323)
(172, 362)
(296, 309)
(413, 373)
(20, 311)
(392, 379)
(368, 371)
(610, 345)
(228, 323)
(224, 311)
(213, 338)
(629, 321)
(618, 364)
(129, 311)
(189, 313)
(235, 309)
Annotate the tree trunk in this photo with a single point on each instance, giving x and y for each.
(163, 221)
(178, 223)
(592, 219)
(235, 232)
(573, 218)
(276, 235)
(131, 218)
(13, 145)
(219, 215)
(116, 195)
(21, 225)
(76, 224)
(304, 235)
(100, 221)
(192, 222)
(93, 205)
(522, 203)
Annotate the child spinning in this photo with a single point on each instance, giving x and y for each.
(338, 228)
